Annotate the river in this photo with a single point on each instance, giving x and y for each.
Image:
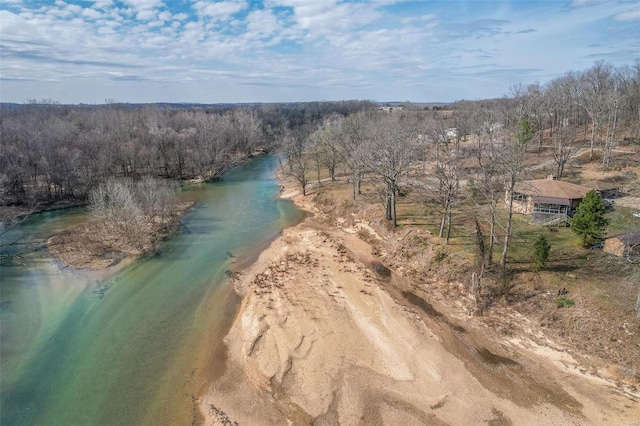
(145, 350)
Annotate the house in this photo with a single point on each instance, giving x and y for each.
(605, 189)
(622, 245)
(391, 108)
(547, 199)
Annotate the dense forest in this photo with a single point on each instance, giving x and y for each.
(52, 152)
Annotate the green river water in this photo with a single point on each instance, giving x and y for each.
(144, 351)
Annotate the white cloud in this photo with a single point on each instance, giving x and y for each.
(219, 10)
(102, 4)
(91, 13)
(262, 23)
(630, 15)
(15, 28)
(140, 5)
(145, 10)
(321, 17)
(146, 15)
(164, 16)
(74, 8)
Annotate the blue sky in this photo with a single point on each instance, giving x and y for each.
(301, 50)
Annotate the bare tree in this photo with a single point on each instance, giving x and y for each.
(564, 148)
(127, 209)
(490, 190)
(537, 115)
(352, 147)
(448, 174)
(295, 147)
(629, 80)
(614, 102)
(329, 139)
(114, 205)
(520, 103)
(210, 151)
(316, 151)
(511, 160)
(595, 84)
(388, 154)
(245, 129)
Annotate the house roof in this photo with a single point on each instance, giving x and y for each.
(552, 189)
(551, 200)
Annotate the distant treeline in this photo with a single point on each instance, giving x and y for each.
(52, 152)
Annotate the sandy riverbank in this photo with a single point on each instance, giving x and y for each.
(325, 335)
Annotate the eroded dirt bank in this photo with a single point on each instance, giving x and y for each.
(327, 335)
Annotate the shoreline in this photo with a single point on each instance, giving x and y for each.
(90, 246)
(322, 335)
(9, 214)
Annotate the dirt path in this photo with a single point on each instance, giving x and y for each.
(325, 335)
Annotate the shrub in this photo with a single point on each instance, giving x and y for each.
(541, 250)
(440, 254)
(563, 302)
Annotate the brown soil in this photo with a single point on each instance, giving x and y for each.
(93, 246)
(345, 323)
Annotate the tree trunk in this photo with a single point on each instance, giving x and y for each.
(387, 205)
(540, 141)
(593, 138)
(507, 235)
(446, 241)
(610, 140)
(442, 223)
(476, 290)
(393, 208)
(355, 185)
(560, 170)
(492, 231)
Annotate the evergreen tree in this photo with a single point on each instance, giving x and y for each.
(524, 133)
(589, 221)
(541, 250)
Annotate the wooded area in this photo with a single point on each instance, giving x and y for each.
(52, 152)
